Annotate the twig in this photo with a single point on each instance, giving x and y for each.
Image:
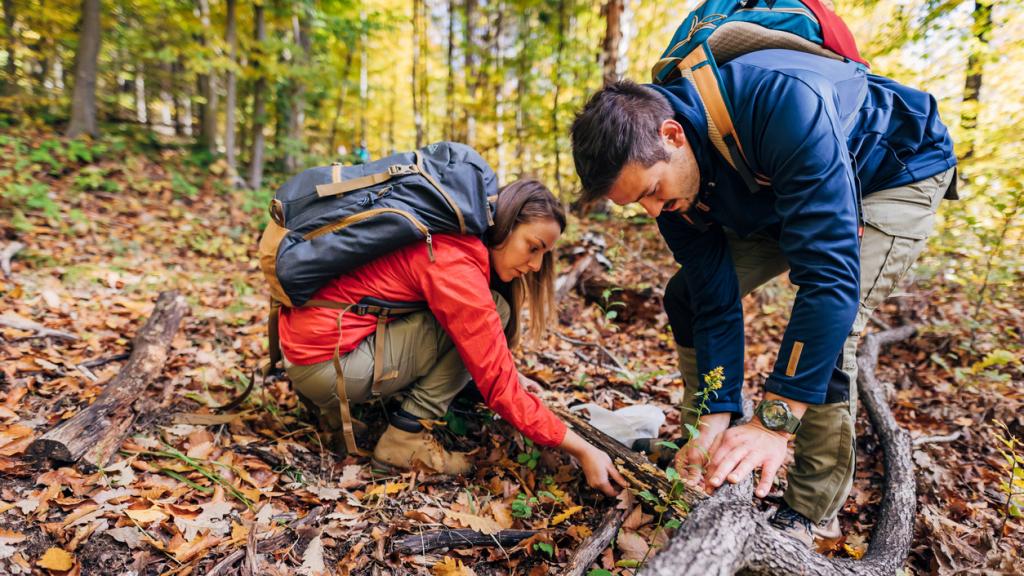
(592, 547)
(15, 321)
(619, 366)
(435, 539)
(7, 255)
(936, 439)
(96, 363)
(268, 545)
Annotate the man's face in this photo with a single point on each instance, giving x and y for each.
(666, 186)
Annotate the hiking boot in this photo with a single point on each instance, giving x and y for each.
(406, 450)
(800, 527)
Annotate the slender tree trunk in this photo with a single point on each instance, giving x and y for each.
(297, 113)
(83, 102)
(363, 80)
(10, 85)
(342, 90)
(613, 34)
(417, 104)
(981, 29)
(259, 105)
(522, 87)
(141, 106)
(425, 69)
(499, 94)
(449, 91)
(208, 88)
(555, 130)
(471, 71)
(231, 38)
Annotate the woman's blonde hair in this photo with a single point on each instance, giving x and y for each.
(527, 200)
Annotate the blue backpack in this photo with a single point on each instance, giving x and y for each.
(721, 30)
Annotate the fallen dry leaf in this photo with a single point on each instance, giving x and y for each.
(632, 545)
(451, 567)
(478, 523)
(56, 559)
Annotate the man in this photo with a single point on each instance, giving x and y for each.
(857, 165)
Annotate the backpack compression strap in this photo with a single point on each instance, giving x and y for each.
(382, 312)
(698, 68)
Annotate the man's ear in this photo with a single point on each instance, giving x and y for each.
(672, 132)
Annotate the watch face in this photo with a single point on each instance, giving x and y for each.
(774, 415)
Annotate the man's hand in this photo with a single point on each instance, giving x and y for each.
(742, 449)
(692, 459)
(597, 466)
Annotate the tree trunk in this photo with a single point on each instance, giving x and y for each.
(449, 90)
(207, 88)
(981, 29)
(612, 35)
(558, 88)
(231, 39)
(522, 87)
(499, 94)
(141, 106)
(297, 95)
(417, 104)
(259, 107)
(338, 109)
(364, 81)
(83, 102)
(10, 67)
(471, 71)
(98, 431)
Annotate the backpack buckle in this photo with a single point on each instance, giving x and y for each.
(402, 169)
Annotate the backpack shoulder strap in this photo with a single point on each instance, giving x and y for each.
(699, 69)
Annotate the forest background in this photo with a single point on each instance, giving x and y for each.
(118, 114)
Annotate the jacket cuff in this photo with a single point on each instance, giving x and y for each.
(718, 406)
(787, 390)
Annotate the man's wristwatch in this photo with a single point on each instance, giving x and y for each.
(775, 415)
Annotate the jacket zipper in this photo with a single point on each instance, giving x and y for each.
(356, 218)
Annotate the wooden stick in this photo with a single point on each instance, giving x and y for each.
(567, 281)
(100, 428)
(15, 321)
(268, 545)
(465, 538)
(591, 548)
(7, 255)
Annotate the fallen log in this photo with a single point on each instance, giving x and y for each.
(725, 534)
(463, 538)
(594, 545)
(566, 282)
(99, 429)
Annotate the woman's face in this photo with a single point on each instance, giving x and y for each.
(524, 249)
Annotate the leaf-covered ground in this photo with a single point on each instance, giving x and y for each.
(108, 226)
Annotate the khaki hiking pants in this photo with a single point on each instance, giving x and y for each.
(416, 347)
(898, 223)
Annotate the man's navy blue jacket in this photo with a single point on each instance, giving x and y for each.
(824, 132)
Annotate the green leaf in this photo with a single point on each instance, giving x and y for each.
(545, 547)
(599, 572)
(646, 495)
(673, 524)
(693, 431)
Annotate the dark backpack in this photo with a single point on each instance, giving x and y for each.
(329, 220)
(721, 30)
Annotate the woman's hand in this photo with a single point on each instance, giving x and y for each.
(597, 466)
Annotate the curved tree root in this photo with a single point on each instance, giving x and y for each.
(725, 534)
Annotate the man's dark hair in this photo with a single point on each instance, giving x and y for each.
(620, 124)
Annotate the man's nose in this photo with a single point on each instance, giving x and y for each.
(652, 206)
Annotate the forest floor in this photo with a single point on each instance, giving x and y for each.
(108, 226)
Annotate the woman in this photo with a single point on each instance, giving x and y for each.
(474, 289)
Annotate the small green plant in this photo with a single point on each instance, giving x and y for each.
(522, 506)
(530, 457)
(713, 382)
(545, 548)
(608, 305)
(1012, 450)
